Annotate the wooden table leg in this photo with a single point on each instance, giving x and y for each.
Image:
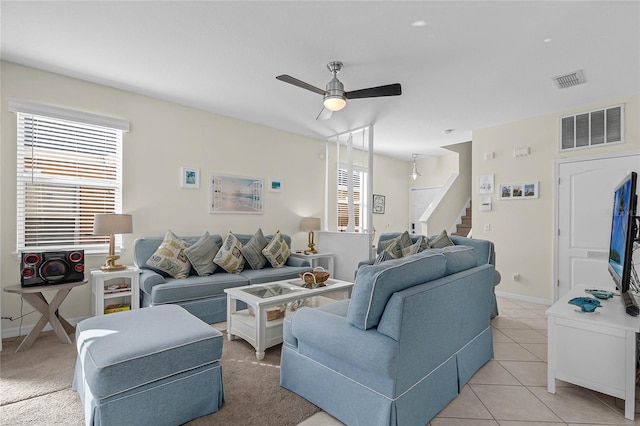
(48, 310)
(55, 320)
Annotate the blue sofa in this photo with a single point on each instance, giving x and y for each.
(485, 253)
(204, 297)
(413, 333)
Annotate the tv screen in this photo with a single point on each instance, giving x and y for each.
(623, 232)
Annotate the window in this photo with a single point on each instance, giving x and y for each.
(67, 171)
(359, 195)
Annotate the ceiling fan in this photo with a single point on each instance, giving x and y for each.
(335, 97)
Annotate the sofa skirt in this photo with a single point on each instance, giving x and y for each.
(474, 355)
(355, 404)
(210, 309)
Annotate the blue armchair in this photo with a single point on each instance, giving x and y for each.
(415, 330)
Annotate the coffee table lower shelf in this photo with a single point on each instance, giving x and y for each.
(263, 334)
(243, 325)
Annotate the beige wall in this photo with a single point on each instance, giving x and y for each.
(523, 230)
(448, 211)
(435, 172)
(165, 137)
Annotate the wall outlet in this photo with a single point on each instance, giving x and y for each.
(516, 276)
(487, 227)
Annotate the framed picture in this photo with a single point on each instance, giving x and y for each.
(485, 184)
(378, 204)
(235, 194)
(190, 178)
(518, 191)
(275, 185)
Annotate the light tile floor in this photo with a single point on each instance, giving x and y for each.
(511, 389)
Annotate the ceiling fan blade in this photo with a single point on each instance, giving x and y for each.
(374, 92)
(325, 114)
(299, 83)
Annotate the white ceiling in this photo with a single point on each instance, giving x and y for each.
(473, 64)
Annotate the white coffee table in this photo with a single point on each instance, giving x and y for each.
(255, 329)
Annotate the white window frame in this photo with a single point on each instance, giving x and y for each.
(361, 202)
(72, 162)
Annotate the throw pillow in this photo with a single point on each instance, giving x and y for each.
(277, 251)
(398, 244)
(229, 256)
(201, 255)
(382, 257)
(252, 251)
(441, 241)
(170, 257)
(421, 244)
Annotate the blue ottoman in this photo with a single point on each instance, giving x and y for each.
(150, 366)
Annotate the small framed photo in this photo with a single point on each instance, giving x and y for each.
(485, 184)
(275, 185)
(518, 191)
(190, 178)
(378, 204)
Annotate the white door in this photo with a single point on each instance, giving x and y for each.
(584, 203)
(419, 201)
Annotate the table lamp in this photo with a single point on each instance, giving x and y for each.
(310, 224)
(110, 224)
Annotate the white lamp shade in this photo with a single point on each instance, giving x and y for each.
(310, 224)
(334, 102)
(108, 223)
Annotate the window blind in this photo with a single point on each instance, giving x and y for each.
(67, 171)
(343, 204)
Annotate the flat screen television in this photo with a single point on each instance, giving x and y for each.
(624, 231)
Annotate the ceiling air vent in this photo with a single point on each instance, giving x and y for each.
(569, 80)
(592, 128)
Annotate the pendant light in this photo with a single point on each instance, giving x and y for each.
(414, 169)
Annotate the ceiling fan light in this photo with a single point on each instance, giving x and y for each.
(334, 102)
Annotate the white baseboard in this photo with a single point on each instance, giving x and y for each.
(529, 299)
(24, 330)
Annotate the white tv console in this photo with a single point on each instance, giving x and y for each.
(593, 350)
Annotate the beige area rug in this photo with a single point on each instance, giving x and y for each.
(35, 387)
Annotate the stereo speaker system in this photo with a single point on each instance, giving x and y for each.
(51, 267)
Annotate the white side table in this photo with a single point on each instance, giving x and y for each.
(596, 351)
(324, 259)
(114, 287)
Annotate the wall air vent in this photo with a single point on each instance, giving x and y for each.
(592, 128)
(569, 80)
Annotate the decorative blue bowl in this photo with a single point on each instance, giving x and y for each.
(600, 294)
(587, 304)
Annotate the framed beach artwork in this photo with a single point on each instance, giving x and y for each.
(518, 191)
(235, 194)
(189, 178)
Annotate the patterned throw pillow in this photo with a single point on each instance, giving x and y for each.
(395, 246)
(201, 255)
(252, 251)
(229, 256)
(382, 257)
(277, 251)
(170, 257)
(421, 244)
(441, 241)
